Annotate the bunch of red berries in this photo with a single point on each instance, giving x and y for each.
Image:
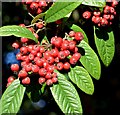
(103, 18)
(35, 6)
(42, 59)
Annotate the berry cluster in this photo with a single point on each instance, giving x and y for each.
(35, 6)
(42, 60)
(104, 18)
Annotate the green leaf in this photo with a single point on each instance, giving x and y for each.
(82, 79)
(12, 98)
(104, 41)
(17, 31)
(78, 29)
(44, 40)
(60, 10)
(97, 3)
(66, 96)
(90, 60)
(35, 19)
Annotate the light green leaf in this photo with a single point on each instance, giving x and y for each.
(82, 79)
(12, 98)
(90, 60)
(78, 29)
(44, 40)
(104, 41)
(60, 10)
(17, 31)
(66, 96)
(97, 3)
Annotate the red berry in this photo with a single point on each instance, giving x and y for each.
(107, 9)
(39, 10)
(42, 3)
(112, 10)
(31, 56)
(66, 66)
(34, 6)
(49, 82)
(23, 50)
(24, 40)
(8, 84)
(60, 66)
(39, 25)
(114, 3)
(111, 17)
(14, 67)
(26, 81)
(15, 45)
(34, 52)
(58, 21)
(22, 74)
(35, 68)
(41, 80)
(39, 62)
(57, 59)
(18, 56)
(54, 52)
(36, 35)
(86, 14)
(10, 79)
(42, 49)
(79, 36)
(42, 72)
(103, 22)
(22, 25)
(72, 45)
(46, 54)
(45, 65)
(65, 45)
(53, 39)
(28, 67)
(106, 16)
(73, 60)
(77, 55)
(50, 60)
(97, 13)
(36, 48)
(39, 54)
(51, 68)
(48, 75)
(67, 53)
(61, 55)
(30, 48)
(58, 42)
(71, 33)
(54, 79)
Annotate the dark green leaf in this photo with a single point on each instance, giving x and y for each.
(66, 96)
(17, 31)
(82, 79)
(97, 3)
(35, 19)
(12, 98)
(90, 60)
(60, 10)
(78, 29)
(104, 41)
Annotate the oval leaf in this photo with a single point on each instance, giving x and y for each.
(90, 60)
(60, 10)
(82, 79)
(104, 41)
(35, 19)
(97, 3)
(66, 96)
(17, 31)
(78, 29)
(12, 98)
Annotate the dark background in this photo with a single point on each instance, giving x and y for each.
(106, 97)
